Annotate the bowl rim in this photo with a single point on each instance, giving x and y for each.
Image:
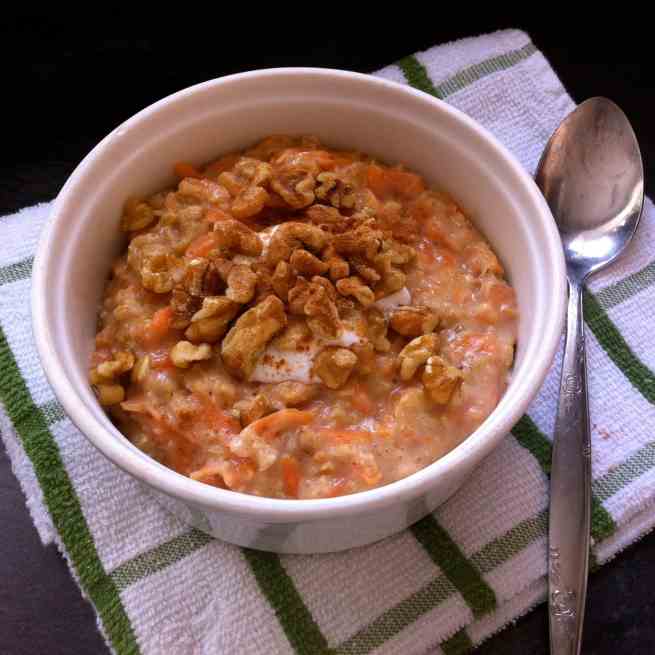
(275, 510)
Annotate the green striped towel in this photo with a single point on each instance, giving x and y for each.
(442, 586)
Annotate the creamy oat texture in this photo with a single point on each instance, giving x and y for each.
(298, 322)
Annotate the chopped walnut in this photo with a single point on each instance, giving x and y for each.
(205, 190)
(377, 330)
(201, 278)
(304, 263)
(241, 283)
(156, 269)
(136, 215)
(364, 270)
(295, 184)
(400, 253)
(297, 296)
(246, 173)
(321, 310)
(210, 322)
(355, 287)
(248, 337)
(335, 190)
(333, 366)
(140, 369)
(327, 285)
(393, 279)
(110, 394)
(364, 240)
(184, 306)
(413, 321)
(291, 394)
(291, 236)
(441, 380)
(252, 409)
(295, 337)
(416, 353)
(184, 353)
(235, 237)
(323, 215)
(282, 280)
(249, 202)
(121, 363)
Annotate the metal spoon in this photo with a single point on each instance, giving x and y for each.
(592, 177)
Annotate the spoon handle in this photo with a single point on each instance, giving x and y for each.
(570, 489)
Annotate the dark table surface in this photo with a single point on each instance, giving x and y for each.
(68, 81)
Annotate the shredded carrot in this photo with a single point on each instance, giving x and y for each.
(221, 165)
(387, 181)
(184, 169)
(215, 215)
(290, 475)
(270, 426)
(202, 246)
(159, 326)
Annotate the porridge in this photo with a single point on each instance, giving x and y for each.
(299, 322)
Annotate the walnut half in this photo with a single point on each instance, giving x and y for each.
(334, 365)
(441, 380)
(248, 337)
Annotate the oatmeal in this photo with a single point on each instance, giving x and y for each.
(298, 322)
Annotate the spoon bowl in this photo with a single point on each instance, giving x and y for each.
(591, 175)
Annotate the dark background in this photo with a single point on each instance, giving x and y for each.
(69, 80)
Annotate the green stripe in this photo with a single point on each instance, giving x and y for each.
(446, 554)
(612, 341)
(458, 644)
(159, 558)
(52, 412)
(277, 586)
(17, 271)
(397, 618)
(624, 289)
(62, 503)
(528, 435)
(417, 76)
(619, 477)
(503, 548)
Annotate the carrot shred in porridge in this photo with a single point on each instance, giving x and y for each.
(298, 322)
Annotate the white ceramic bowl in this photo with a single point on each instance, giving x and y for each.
(346, 110)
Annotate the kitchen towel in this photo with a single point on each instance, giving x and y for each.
(443, 585)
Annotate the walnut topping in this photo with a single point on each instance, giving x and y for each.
(334, 365)
(235, 237)
(441, 380)
(121, 363)
(136, 215)
(201, 278)
(210, 322)
(282, 280)
(413, 321)
(377, 330)
(292, 394)
(249, 202)
(336, 191)
(248, 337)
(184, 353)
(295, 337)
(320, 309)
(252, 409)
(323, 215)
(241, 284)
(364, 240)
(110, 394)
(304, 263)
(295, 184)
(355, 287)
(184, 306)
(156, 268)
(292, 235)
(416, 353)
